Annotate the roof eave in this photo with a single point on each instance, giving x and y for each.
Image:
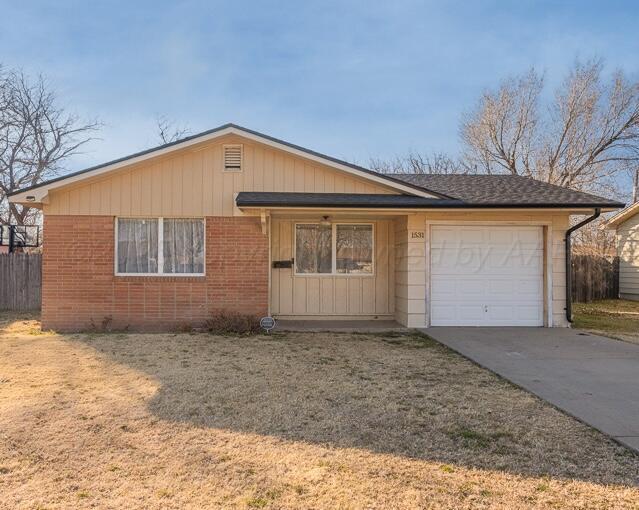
(563, 207)
(623, 216)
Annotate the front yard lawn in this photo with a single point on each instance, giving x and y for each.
(618, 318)
(287, 421)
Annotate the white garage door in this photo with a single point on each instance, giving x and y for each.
(486, 276)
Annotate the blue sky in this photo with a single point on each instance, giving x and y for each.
(354, 79)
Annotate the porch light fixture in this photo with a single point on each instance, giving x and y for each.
(325, 222)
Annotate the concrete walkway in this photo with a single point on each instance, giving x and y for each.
(592, 378)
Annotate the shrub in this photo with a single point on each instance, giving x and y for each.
(103, 326)
(233, 323)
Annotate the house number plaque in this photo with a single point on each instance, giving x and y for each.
(417, 234)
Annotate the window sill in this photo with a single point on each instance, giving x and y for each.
(160, 277)
(334, 275)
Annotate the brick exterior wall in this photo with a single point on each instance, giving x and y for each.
(80, 290)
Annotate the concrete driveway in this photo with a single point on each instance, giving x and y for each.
(593, 378)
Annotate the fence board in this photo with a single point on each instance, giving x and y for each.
(594, 277)
(20, 281)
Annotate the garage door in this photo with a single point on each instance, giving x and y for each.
(486, 276)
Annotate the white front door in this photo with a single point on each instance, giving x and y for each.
(486, 276)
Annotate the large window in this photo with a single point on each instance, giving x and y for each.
(334, 249)
(313, 249)
(354, 249)
(163, 246)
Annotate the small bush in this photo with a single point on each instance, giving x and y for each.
(104, 325)
(233, 323)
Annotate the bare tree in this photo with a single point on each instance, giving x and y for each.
(36, 138)
(581, 138)
(416, 163)
(168, 131)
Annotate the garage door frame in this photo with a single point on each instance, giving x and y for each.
(547, 258)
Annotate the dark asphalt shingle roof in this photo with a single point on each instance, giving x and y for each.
(504, 189)
(465, 191)
(273, 199)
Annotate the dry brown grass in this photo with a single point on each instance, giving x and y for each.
(288, 421)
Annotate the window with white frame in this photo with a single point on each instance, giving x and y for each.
(162, 246)
(333, 249)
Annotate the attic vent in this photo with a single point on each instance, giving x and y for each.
(232, 158)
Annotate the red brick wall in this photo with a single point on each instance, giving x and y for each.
(80, 290)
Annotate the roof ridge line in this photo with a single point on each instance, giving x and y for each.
(231, 125)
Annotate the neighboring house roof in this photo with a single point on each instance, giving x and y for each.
(623, 215)
(226, 129)
(464, 191)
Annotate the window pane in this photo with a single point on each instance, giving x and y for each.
(137, 246)
(183, 246)
(313, 247)
(354, 249)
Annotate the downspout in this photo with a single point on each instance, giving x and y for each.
(568, 260)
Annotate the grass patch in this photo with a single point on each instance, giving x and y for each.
(412, 339)
(616, 317)
(476, 439)
(257, 502)
(298, 420)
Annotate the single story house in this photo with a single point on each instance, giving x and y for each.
(626, 224)
(235, 220)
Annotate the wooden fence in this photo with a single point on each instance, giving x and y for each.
(20, 281)
(594, 277)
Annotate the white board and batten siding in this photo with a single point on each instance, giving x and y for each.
(336, 296)
(628, 245)
(487, 276)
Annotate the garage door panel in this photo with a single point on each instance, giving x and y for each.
(514, 288)
(502, 288)
(443, 311)
(454, 287)
(530, 238)
(467, 259)
(501, 237)
(472, 312)
(476, 261)
(501, 313)
(446, 237)
(442, 288)
(483, 275)
(530, 312)
(533, 287)
(469, 287)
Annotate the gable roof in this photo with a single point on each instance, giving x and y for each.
(452, 190)
(623, 215)
(39, 191)
(506, 189)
